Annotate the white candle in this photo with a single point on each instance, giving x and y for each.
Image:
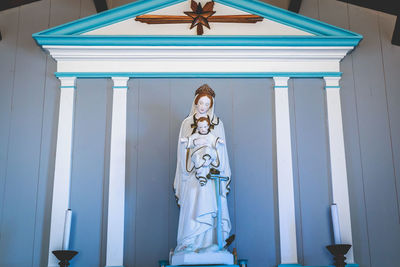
(67, 229)
(335, 223)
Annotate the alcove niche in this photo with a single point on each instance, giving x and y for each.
(260, 63)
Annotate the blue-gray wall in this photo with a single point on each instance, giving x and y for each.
(28, 118)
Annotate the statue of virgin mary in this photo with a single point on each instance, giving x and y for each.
(198, 201)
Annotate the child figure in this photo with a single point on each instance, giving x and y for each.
(203, 151)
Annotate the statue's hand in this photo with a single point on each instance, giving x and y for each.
(184, 140)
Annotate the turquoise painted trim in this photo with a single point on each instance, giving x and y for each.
(199, 75)
(144, 6)
(332, 86)
(109, 17)
(120, 87)
(70, 86)
(281, 86)
(178, 40)
(288, 18)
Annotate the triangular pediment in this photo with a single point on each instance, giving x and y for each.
(120, 26)
(133, 26)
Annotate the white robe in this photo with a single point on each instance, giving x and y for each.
(198, 204)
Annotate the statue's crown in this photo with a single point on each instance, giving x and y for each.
(205, 89)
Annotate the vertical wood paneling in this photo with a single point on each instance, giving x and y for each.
(376, 154)
(391, 67)
(21, 181)
(131, 171)
(88, 171)
(151, 231)
(9, 29)
(312, 160)
(296, 181)
(309, 8)
(351, 136)
(252, 158)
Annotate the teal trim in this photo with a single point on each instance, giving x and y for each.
(288, 18)
(120, 87)
(281, 86)
(71, 86)
(199, 74)
(178, 40)
(332, 86)
(144, 6)
(109, 17)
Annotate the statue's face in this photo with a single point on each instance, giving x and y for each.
(202, 126)
(203, 105)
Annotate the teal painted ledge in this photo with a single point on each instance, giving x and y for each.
(198, 74)
(209, 40)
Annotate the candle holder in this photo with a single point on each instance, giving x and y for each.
(338, 251)
(64, 256)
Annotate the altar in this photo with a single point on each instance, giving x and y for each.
(161, 39)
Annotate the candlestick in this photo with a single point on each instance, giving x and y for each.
(67, 229)
(335, 223)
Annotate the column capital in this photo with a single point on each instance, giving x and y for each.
(332, 82)
(67, 82)
(120, 82)
(281, 82)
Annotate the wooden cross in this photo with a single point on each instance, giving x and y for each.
(198, 17)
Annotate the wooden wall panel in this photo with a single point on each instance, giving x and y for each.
(312, 169)
(252, 158)
(88, 175)
(132, 129)
(391, 66)
(8, 46)
(21, 181)
(151, 228)
(376, 153)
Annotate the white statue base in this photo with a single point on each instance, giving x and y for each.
(193, 258)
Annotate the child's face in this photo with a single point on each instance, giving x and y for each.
(203, 127)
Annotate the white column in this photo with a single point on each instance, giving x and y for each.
(62, 170)
(338, 161)
(287, 220)
(116, 196)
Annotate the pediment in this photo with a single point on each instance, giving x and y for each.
(133, 25)
(120, 26)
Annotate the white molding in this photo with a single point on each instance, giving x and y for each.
(338, 161)
(62, 169)
(197, 59)
(116, 195)
(287, 219)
